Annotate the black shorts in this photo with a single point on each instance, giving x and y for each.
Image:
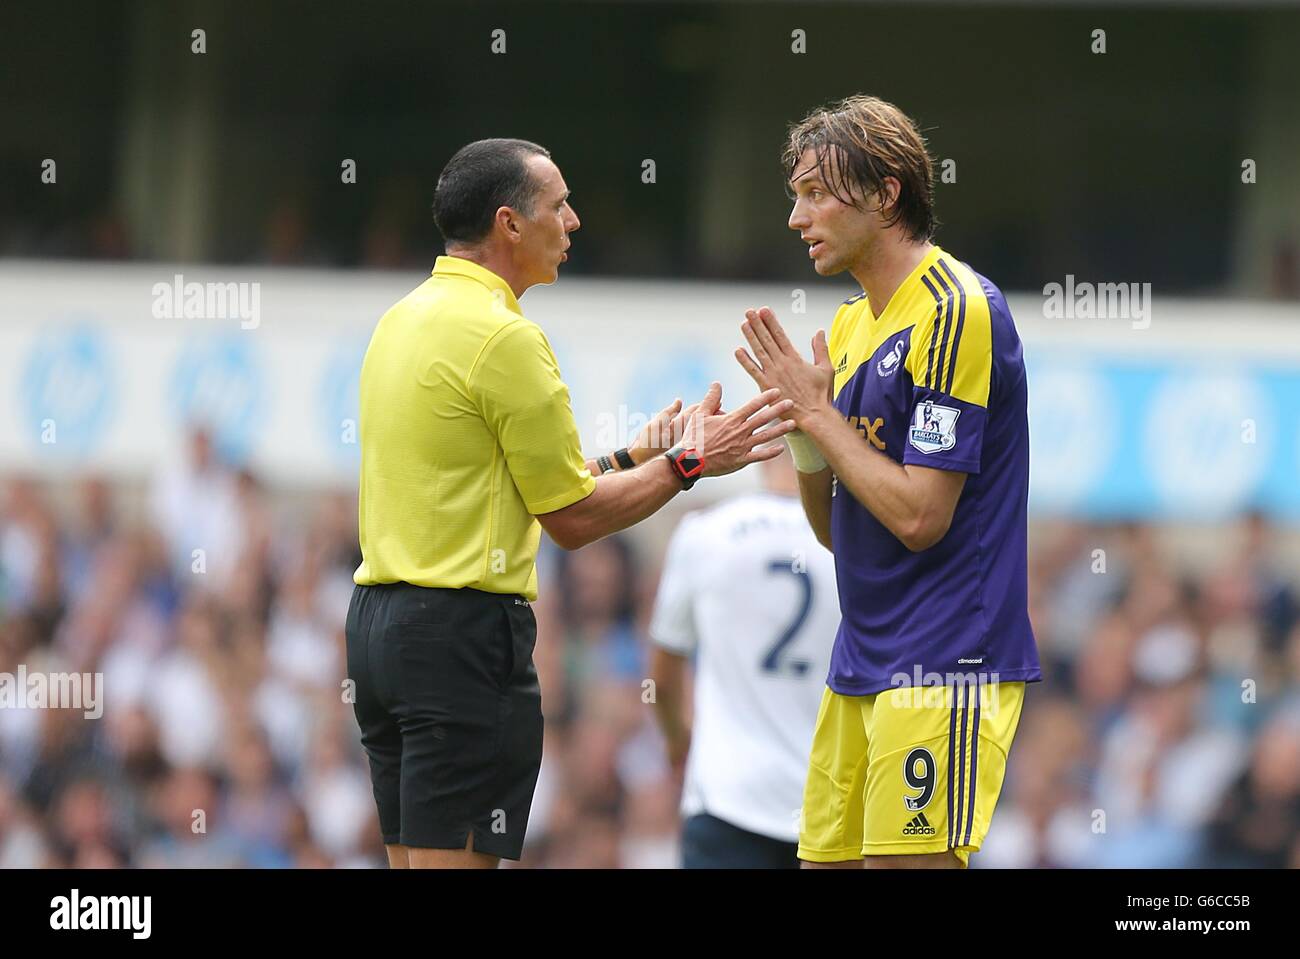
(450, 713)
(712, 843)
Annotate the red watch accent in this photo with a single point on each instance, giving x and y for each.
(687, 463)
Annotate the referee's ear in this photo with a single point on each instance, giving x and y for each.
(506, 221)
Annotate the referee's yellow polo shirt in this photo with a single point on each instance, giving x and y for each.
(466, 433)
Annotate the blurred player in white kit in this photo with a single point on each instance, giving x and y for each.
(749, 593)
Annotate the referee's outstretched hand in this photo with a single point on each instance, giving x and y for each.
(662, 433)
(730, 441)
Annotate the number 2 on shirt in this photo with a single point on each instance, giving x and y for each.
(772, 662)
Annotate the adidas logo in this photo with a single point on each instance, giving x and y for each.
(843, 364)
(919, 826)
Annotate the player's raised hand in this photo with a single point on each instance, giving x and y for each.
(822, 360)
(729, 441)
(776, 363)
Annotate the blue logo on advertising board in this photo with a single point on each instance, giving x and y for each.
(218, 383)
(340, 387)
(68, 391)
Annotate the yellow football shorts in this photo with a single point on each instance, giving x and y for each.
(907, 771)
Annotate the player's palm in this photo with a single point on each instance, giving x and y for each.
(776, 363)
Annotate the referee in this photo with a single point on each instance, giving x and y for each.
(468, 449)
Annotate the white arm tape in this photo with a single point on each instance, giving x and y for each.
(807, 457)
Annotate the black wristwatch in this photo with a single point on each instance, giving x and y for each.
(687, 463)
(624, 459)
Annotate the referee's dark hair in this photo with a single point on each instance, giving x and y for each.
(481, 178)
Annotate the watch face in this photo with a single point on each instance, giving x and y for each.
(691, 464)
(687, 464)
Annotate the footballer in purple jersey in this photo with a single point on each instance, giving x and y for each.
(913, 457)
(955, 400)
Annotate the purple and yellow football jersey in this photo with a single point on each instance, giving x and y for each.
(937, 380)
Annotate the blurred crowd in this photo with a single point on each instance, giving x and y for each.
(1167, 732)
(390, 236)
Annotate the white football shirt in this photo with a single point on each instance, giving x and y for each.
(747, 589)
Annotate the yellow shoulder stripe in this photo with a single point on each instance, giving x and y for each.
(952, 350)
